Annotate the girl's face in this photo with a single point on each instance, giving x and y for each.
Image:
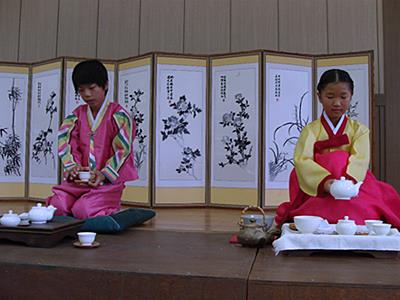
(335, 99)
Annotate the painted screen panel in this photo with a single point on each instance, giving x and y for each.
(234, 146)
(134, 94)
(235, 109)
(288, 108)
(358, 68)
(13, 117)
(180, 128)
(45, 111)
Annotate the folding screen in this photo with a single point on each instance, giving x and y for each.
(235, 129)
(180, 130)
(72, 98)
(44, 122)
(14, 80)
(359, 66)
(134, 94)
(288, 108)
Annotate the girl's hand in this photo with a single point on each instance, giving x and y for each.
(327, 185)
(96, 178)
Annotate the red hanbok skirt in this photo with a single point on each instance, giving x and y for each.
(375, 200)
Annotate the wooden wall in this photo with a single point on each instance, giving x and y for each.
(34, 30)
(391, 24)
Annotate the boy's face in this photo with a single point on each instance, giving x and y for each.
(93, 94)
(335, 99)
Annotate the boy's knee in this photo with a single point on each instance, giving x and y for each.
(80, 210)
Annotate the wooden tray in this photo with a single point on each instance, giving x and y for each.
(42, 235)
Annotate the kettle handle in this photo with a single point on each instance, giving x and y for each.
(254, 208)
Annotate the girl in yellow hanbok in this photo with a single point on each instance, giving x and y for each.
(331, 147)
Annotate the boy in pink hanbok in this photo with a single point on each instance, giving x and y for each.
(331, 147)
(96, 137)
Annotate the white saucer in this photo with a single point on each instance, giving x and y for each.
(95, 244)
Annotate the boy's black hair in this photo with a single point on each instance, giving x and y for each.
(335, 76)
(89, 72)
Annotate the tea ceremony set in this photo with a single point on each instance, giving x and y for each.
(310, 234)
(40, 228)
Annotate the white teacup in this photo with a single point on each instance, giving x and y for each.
(86, 238)
(381, 229)
(307, 224)
(84, 175)
(369, 224)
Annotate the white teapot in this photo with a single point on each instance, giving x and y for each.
(344, 189)
(38, 214)
(346, 226)
(10, 219)
(50, 212)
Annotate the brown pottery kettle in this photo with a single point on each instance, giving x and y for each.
(252, 233)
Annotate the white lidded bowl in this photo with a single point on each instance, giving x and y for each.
(86, 238)
(11, 219)
(307, 224)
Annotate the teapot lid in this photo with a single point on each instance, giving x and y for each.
(346, 220)
(10, 214)
(38, 206)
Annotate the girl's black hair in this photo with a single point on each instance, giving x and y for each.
(89, 72)
(335, 76)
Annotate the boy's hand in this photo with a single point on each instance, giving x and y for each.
(73, 174)
(96, 178)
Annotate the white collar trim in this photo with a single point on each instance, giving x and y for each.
(98, 118)
(334, 129)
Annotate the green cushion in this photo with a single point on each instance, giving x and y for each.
(118, 221)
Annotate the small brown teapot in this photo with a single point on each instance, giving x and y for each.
(252, 234)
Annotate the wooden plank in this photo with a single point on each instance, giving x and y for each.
(302, 26)
(118, 31)
(207, 26)
(195, 219)
(161, 26)
(318, 277)
(254, 25)
(38, 30)
(352, 26)
(143, 265)
(9, 29)
(77, 32)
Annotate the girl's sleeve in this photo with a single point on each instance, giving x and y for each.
(359, 154)
(68, 143)
(310, 174)
(122, 145)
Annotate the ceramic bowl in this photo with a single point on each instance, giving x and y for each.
(86, 238)
(259, 219)
(307, 224)
(381, 229)
(84, 175)
(369, 224)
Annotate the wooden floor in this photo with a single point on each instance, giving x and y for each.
(195, 219)
(185, 254)
(180, 219)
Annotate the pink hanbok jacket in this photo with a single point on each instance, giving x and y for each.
(104, 143)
